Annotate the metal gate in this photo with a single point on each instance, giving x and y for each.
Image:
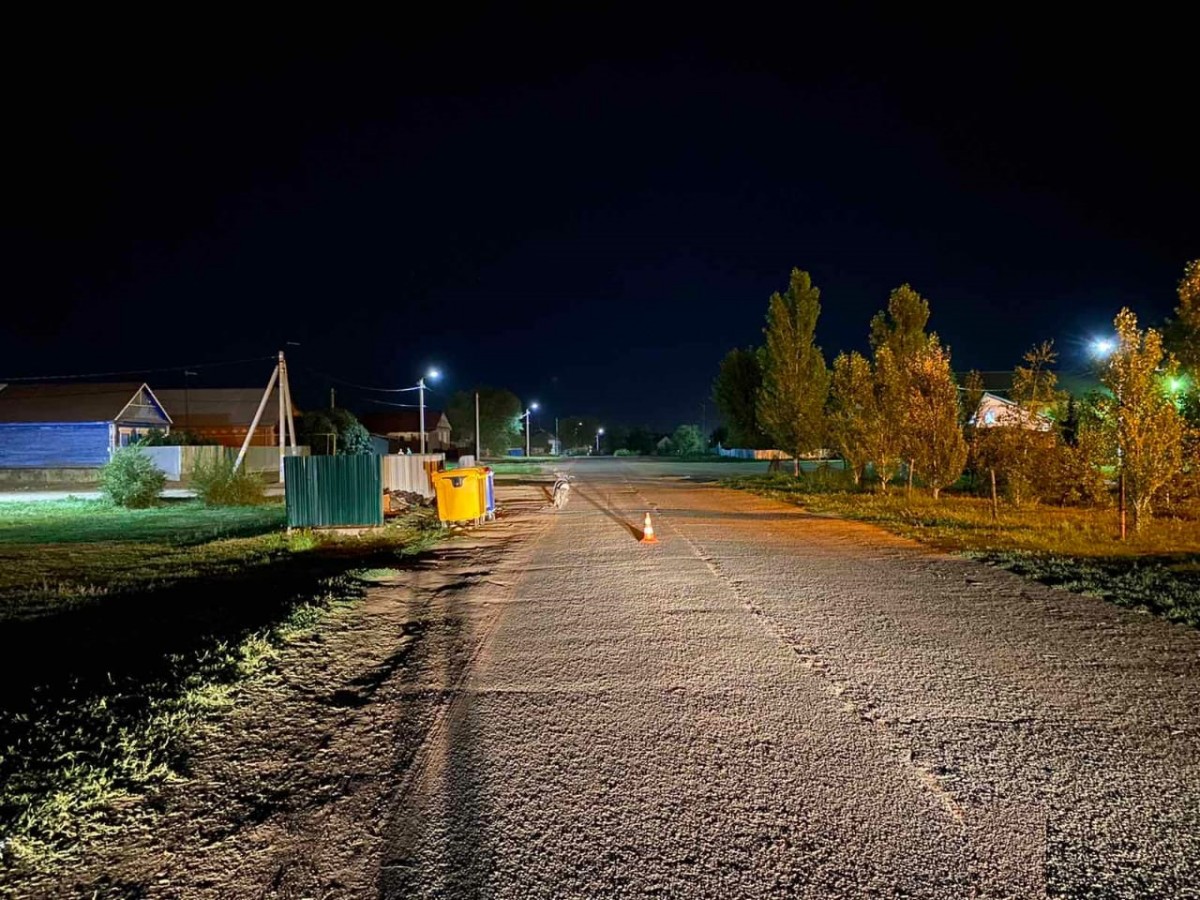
(333, 491)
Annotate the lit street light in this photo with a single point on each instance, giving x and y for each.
(599, 431)
(432, 375)
(1103, 347)
(528, 412)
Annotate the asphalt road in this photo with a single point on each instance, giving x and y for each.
(768, 703)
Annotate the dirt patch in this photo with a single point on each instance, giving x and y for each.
(288, 796)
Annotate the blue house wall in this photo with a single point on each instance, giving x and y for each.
(53, 445)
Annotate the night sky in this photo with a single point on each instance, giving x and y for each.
(586, 207)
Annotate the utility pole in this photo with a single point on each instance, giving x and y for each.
(557, 442)
(478, 454)
(331, 399)
(287, 424)
(421, 394)
(528, 421)
(282, 411)
(187, 401)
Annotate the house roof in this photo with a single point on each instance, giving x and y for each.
(403, 421)
(62, 402)
(219, 407)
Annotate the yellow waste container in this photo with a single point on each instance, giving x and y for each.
(460, 495)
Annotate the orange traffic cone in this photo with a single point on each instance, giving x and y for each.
(648, 531)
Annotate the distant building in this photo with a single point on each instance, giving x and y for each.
(402, 428)
(69, 426)
(543, 443)
(223, 415)
(997, 412)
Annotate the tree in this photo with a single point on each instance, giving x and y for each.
(1025, 449)
(1183, 332)
(886, 438)
(615, 437)
(1141, 413)
(897, 338)
(641, 441)
(336, 430)
(853, 411)
(901, 327)
(578, 432)
(735, 391)
(938, 449)
(1182, 338)
(972, 394)
(500, 425)
(795, 382)
(687, 441)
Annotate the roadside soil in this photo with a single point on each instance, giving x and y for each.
(287, 796)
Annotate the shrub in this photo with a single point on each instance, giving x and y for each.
(687, 441)
(623, 452)
(217, 483)
(131, 479)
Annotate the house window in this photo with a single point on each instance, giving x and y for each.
(989, 417)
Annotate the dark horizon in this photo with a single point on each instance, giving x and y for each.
(589, 210)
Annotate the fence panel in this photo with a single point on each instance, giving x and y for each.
(333, 491)
(169, 460)
(405, 472)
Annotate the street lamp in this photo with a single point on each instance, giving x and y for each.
(528, 412)
(1102, 348)
(432, 375)
(599, 431)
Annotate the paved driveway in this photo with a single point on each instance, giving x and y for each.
(767, 703)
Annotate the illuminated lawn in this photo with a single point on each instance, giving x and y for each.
(121, 630)
(1157, 570)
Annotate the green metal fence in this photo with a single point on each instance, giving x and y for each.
(332, 491)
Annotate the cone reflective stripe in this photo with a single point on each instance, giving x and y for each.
(648, 531)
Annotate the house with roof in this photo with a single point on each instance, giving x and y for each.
(402, 428)
(74, 426)
(995, 411)
(224, 415)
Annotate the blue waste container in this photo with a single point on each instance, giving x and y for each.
(491, 492)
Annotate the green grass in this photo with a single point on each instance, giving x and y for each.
(123, 630)
(177, 522)
(75, 551)
(1156, 570)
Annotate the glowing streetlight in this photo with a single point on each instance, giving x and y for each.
(1103, 347)
(432, 375)
(599, 431)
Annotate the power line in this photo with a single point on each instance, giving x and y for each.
(232, 362)
(361, 387)
(387, 403)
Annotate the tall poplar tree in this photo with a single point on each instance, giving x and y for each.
(1141, 413)
(937, 448)
(795, 383)
(853, 411)
(735, 391)
(897, 338)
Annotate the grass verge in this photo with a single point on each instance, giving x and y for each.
(1156, 570)
(104, 677)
